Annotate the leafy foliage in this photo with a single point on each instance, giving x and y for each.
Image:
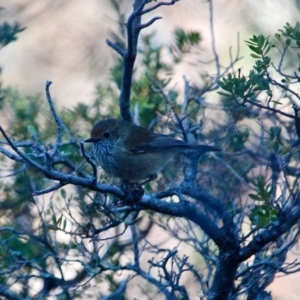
(8, 33)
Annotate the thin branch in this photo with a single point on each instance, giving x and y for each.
(88, 159)
(13, 172)
(52, 188)
(145, 25)
(8, 294)
(211, 23)
(119, 292)
(135, 241)
(145, 11)
(187, 210)
(256, 103)
(59, 124)
(235, 173)
(65, 178)
(10, 155)
(116, 47)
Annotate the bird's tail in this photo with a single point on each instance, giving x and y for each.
(204, 148)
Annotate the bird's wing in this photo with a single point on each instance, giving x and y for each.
(143, 141)
(158, 143)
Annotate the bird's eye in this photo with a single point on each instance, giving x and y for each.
(106, 134)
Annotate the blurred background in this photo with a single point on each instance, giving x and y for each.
(64, 42)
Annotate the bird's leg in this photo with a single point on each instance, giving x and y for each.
(126, 185)
(133, 190)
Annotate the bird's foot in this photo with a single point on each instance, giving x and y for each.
(133, 190)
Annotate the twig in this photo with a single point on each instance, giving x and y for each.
(54, 187)
(88, 159)
(116, 47)
(211, 23)
(158, 5)
(119, 292)
(142, 26)
(59, 124)
(11, 155)
(62, 177)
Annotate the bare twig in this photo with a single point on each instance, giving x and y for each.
(211, 23)
(88, 159)
(59, 124)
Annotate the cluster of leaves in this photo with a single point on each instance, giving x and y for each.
(241, 88)
(291, 35)
(244, 95)
(8, 33)
(264, 211)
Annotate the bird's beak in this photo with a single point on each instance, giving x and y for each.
(91, 140)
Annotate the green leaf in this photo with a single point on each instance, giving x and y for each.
(261, 215)
(63, 193)
(53, 219)
(58, 222)
(254, 55)
(53, 227)
(8, 33)
(261, 41)
(276, 102)
(64, 224)
(277, 36)
(255, 197)
(268, 49)
(31, 130)
(255, 49)
(224, 94)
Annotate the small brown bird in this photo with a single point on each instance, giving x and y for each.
(133, 153)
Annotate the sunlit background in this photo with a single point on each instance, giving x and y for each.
(64, 42)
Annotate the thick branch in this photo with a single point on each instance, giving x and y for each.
(134, 27)
(134, 21)
(63, 178)
(188, 210)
